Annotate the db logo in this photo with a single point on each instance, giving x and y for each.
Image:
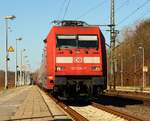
(77, 60)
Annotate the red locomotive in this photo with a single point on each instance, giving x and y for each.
(75, 59)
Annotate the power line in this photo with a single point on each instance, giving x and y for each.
(144, 14)
(61, 8)
(122, 5)
(66, 9)
(141, 6)
(91, 9)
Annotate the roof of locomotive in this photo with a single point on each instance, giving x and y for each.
(72, 23)
(73, 27)
(69, 23)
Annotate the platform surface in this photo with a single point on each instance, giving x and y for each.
(29, 103)
(133, 89)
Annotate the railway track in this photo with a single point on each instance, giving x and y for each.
(145, 97)
(92, 113)
(95, 112)
(124, 115)
(76, 116)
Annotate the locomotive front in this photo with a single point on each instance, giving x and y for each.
(76, 60)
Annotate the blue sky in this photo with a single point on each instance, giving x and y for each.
(33, 21)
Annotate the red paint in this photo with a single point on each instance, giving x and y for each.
(77, 67)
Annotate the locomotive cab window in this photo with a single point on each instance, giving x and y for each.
(87, 41)
(66, 41)
(77, 41)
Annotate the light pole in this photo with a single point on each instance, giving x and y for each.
(6, 60)
(16, 79)
(28, 74)
(143, 84)
(24, 70)
(121, 69)
(21, 54)
(134, 57)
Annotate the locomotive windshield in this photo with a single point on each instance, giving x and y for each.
(80, 41)
(66, 41)
(87, 41)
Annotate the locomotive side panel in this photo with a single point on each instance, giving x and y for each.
(104, 60)
(51, 42)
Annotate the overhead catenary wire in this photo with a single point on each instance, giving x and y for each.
(133, 12)
(122, 5)
(66, 9)
(144, 14)
(91, 9)
(61, 8)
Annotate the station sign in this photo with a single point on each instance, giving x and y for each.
(10, 49)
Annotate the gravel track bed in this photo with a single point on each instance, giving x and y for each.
(136, 110)
(94, 114)
(130, 106)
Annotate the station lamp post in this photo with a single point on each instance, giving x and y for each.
(134, 57)
(16, 66)
(6, 59)
(24, 69)
(121, 69)
(143, 83)
(26, 72)
(21, 65)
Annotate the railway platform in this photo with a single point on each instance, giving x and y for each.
(130, 89)
(29, 103)
(133, 89)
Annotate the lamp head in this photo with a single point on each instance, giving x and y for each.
(10, 17)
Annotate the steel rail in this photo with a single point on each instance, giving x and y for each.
(116, 112)
(75, 115)
(145, 97)
(78, 117)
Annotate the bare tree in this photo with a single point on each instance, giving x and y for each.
(131, 55)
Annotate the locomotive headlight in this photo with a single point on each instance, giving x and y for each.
(58, 68)
(50, 77)
(96, 68)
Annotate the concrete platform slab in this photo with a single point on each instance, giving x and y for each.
(29, 104)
